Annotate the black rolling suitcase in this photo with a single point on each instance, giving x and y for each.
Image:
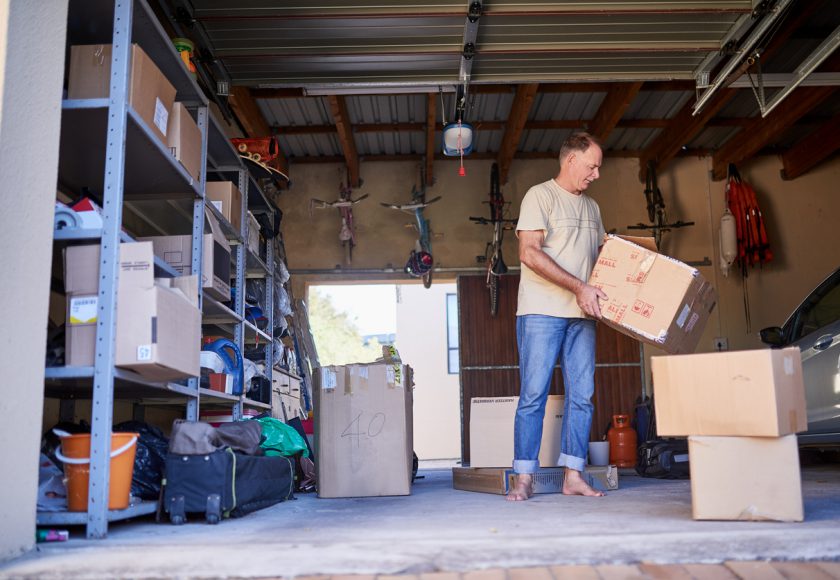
(224, 484)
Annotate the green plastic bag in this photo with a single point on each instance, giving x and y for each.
(281, 439)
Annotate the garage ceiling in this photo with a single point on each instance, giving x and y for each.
(356, 80)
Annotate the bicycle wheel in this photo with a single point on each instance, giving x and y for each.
(493, 286)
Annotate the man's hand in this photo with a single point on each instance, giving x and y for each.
(587, 299)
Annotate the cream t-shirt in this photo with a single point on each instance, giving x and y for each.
(573, 234)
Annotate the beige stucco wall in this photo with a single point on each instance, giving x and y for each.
(801, 216)
(31, 35)
(421, 340)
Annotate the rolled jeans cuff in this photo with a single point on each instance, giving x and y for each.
(528, 466)
(570, 461)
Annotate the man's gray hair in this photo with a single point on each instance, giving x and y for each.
(579, 141)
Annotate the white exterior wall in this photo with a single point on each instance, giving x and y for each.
(421, 341)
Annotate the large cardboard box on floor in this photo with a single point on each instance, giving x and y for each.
(756, 393)
(546, 480)
(158, 323)
(150, 94)
(363, 429)
(228, 200)
(745, 478)
(215, 257)
(651, 297)
(184, 140)
(491, 431)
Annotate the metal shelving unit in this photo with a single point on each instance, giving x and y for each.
(105, 143)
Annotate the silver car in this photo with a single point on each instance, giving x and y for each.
(815, 328)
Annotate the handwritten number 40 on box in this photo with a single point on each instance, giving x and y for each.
(363, 426)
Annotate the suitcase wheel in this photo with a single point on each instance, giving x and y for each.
(177, 515)
(213, 515)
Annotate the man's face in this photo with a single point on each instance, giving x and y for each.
(584, 167)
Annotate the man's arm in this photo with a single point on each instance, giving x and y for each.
(532, 255)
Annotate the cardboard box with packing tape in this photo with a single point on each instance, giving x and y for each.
(150, 93)
(651, 297)
(215, 255)
(158, 321)
(745, 478)
(363, 429)
(752, 393)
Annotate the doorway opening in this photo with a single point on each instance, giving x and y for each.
(351, 322)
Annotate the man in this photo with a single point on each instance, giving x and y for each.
(560, 232)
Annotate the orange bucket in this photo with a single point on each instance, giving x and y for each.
(75, 454)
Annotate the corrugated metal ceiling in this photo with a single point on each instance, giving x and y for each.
(575, 50)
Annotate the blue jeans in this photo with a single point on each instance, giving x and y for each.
(541, 339)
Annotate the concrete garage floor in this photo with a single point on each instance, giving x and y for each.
(438, 529)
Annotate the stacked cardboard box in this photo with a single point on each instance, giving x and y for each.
(741, 412)
(158, 321)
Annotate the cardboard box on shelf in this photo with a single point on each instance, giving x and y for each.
(363, 429)
(651, 297)
(750, 393)
(184, 140)
(150, 94)
(745, 478)
(491, 431)
(547, 480)
(228, 200)
(215, 268)
(158, 322)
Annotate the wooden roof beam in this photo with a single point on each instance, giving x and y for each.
(515, 125)
(612, 108)
(245, 108)
(812, 150)
(431, 114)
(760, 132)
(338, 108)
(686, 125)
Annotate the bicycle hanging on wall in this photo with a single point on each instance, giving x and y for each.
(656, 209)
(420, 261)
(499, 211)
(344, 204)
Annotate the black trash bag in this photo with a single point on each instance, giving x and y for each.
(149, 459)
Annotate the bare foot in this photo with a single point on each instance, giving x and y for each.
(522, 489)
(573, 484)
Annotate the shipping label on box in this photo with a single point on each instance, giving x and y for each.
(491, 431)
(745, 478)
(652, 297)
(749, 393)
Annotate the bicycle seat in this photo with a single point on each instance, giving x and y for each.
(499, 267)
